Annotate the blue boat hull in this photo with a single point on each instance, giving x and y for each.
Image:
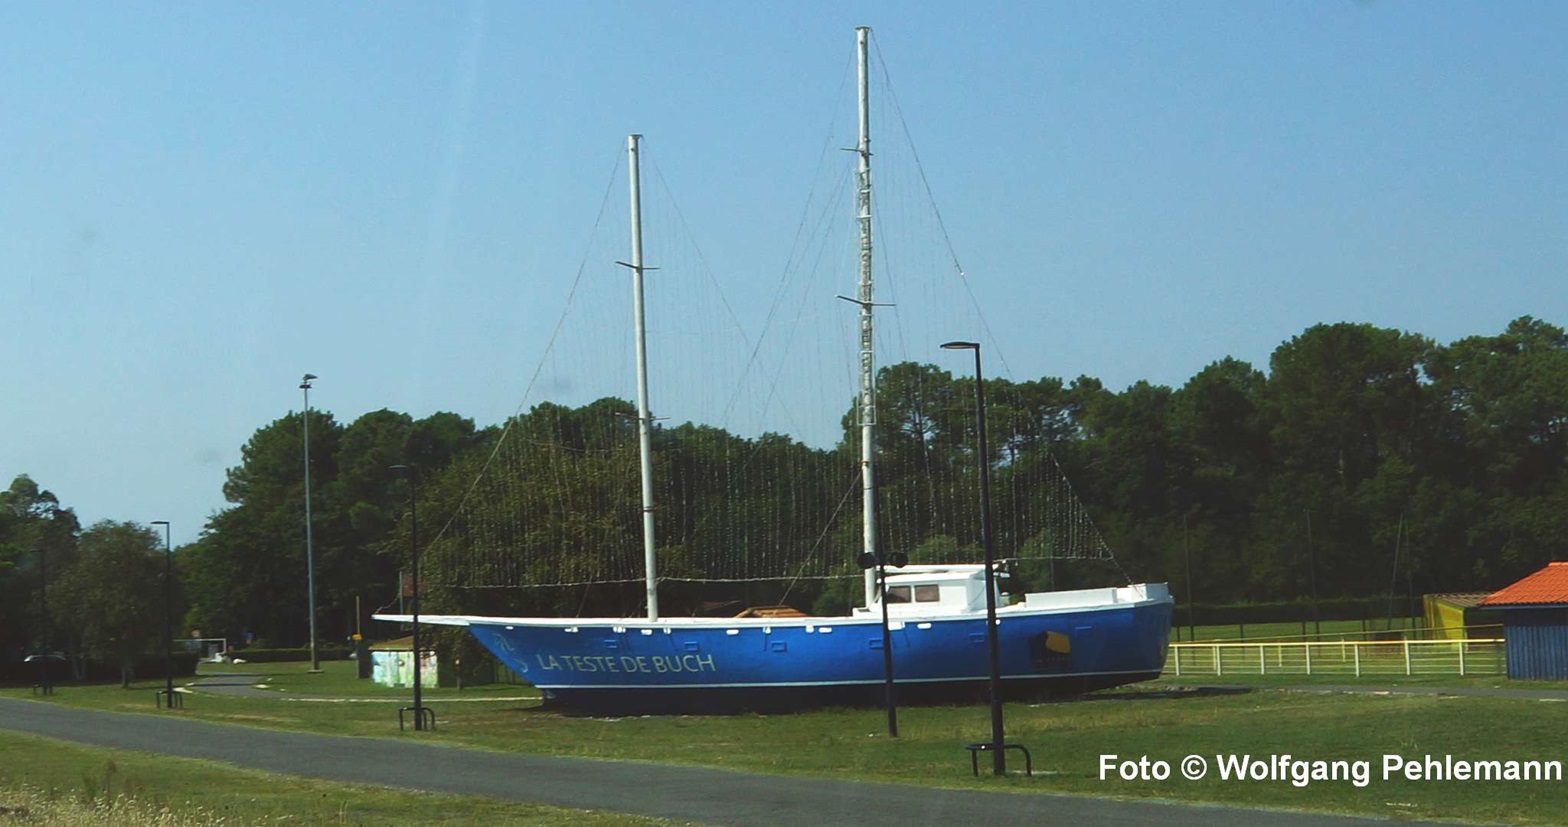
(619, 666)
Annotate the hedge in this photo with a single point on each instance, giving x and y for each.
(256, 654)
(146, 667)
(1293, 611)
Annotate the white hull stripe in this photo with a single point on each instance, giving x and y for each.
(684, 623)
(793, 684)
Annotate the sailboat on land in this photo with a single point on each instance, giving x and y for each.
(1051, 643)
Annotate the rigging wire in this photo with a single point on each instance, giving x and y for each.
(854, 485)
(560, 324)
(926, 182)
(741, 517)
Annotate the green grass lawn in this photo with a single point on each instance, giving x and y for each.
(64, 784)
(1067, 740)
(338, 677)
(1272, 681)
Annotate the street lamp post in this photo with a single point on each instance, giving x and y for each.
(1312, 581)
(998, 757)
(1186, 547)
(167, 697)
(43, 623)
(310, 554)
(418, 708)
(1312, 577)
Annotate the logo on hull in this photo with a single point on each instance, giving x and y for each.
(1051, 652)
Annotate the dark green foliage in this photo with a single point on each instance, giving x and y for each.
(1359, 437)
(1296, 611)
(247, 575)
(144, 667)
(1357, 441)
(113, 596)
(37, 539)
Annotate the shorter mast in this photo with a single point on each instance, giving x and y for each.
(644, 418)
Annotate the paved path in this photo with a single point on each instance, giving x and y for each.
(243, 684)
(707, 796)
(233, 684)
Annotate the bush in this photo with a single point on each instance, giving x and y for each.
(17, 673)
(146, 667)
(256, 654)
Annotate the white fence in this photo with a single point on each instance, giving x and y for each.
(1481, 656)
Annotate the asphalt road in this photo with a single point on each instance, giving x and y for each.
(707, 796)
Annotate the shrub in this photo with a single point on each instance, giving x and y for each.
(256, 654)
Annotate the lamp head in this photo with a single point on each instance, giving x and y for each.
(160, 522)
(960, 345)
(305, 383)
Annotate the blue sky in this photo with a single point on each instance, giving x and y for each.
(201, 202)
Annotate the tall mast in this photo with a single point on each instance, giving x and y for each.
(644, 418)
(868, 397)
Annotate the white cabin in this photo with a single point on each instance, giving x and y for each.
(921, 590)
(924, 589)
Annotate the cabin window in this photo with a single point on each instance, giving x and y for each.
(898, 594)
(928, 594)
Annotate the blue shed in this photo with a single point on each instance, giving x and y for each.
(1535, 624)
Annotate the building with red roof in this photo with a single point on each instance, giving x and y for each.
(1535, 623)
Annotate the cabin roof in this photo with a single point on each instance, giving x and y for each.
(1549, 586)
(903, 578)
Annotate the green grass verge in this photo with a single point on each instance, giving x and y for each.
(48, 782)
(1067, 739)
(1369, 682)
(340, 678)
(337, 678)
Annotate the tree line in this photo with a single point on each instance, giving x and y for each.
(1363, 461)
